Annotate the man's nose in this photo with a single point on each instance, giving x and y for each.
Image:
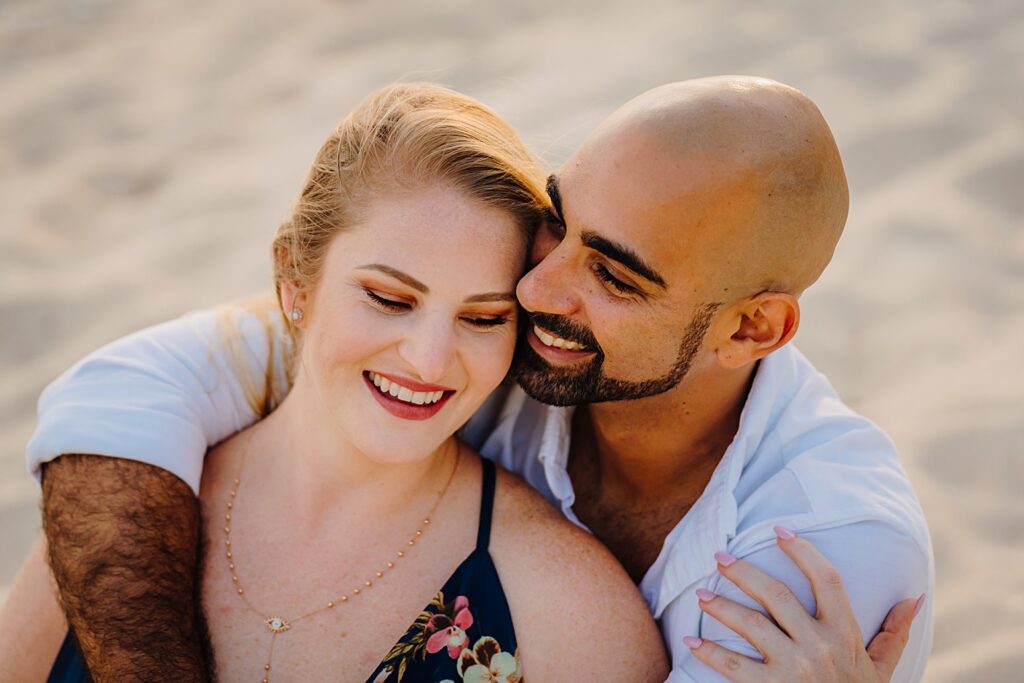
(549, 287)
(430, 349)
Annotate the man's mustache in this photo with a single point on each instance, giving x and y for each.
(566, 329)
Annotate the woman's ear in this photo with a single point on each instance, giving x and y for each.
(760, 325)
(293, 302)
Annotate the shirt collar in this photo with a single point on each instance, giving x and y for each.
(554, 457)
(710, 523)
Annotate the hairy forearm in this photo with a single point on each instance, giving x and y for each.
(124, 541)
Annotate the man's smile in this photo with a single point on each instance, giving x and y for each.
(556, 350)
(557, 342)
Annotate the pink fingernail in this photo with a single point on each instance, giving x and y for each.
(783, 533)
(724, 559)
(919, 604)
(705, 595)
(692, 643)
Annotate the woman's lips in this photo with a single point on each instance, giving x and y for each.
(410, 383)
(405, 409)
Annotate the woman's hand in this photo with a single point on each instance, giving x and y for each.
(826, 648)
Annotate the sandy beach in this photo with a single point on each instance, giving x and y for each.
(150, 150)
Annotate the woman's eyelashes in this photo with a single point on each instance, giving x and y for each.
(393, 306)
(486, 322)
(386, 304)
(605, 275)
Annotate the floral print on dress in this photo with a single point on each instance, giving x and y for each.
(486, 663)
(442, 628)
(448, 630)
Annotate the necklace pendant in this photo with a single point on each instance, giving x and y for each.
(277, 624)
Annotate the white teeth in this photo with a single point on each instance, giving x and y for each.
(543, 336)
(404, 394)
(556, 342)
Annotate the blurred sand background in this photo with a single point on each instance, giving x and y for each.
(150, 149)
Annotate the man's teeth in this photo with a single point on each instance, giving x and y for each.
(557, 342)
(405, 394)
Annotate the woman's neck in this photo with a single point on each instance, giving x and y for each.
(303, 462)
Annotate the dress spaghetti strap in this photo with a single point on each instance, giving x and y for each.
(465, 625)
(483, 536)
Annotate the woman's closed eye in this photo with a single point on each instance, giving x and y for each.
(396, 306)
(486, 321)
(387, 305)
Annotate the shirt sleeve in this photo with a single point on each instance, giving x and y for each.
(880, 566)
(163, 395)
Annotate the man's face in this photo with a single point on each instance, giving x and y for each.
(626, 282)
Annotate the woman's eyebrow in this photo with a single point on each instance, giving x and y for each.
(398, 275)
(489, 297)
(420, 287)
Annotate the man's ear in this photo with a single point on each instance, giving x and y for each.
(760, 325)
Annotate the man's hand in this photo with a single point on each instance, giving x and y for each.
(124, 541)
(825, 648)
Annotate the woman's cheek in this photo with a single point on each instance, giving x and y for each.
(355, 336)
(493, 357)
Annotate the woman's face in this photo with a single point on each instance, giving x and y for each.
(413, 321)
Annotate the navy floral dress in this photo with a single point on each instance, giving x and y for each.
(464, 634)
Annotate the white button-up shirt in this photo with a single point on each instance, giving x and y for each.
(800, 458)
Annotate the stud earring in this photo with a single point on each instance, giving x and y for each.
(296, 315)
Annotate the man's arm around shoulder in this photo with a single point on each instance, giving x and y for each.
(124, 543)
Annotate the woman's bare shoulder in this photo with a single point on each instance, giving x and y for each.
(221, 464)
(558, 577)
(32, 625)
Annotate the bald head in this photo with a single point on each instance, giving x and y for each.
(751, 164)
(689, 222)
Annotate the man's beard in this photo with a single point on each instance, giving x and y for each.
(587, 383)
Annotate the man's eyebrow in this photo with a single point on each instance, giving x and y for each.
(398, 275)
(623, 254)
(556, 198)
(614, 251)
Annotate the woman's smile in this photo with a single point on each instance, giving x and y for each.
(406, 398)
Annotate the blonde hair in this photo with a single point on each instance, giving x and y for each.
(401, 135)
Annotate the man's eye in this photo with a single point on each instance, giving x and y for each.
(389, 305)
(609, 279)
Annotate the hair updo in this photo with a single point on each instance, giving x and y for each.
(401, 135)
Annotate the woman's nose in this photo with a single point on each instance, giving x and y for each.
(430, 350)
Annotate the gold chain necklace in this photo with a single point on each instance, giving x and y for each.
(277, 624)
